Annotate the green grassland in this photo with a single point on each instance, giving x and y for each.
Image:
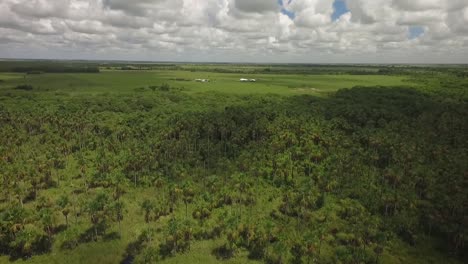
(309, 164)
(127, 81)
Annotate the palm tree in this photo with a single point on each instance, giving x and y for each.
(97, 210)
(148, 207)
(21, 190)
(71, 236)
(378, 250)
(118, 209)
(28, 239)
(118, 181)
(187, 196)
(46, 217)
(174, 195)
(63, 203)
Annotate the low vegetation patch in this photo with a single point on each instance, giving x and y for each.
(25, 87)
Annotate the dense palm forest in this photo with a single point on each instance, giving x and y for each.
(363, 175)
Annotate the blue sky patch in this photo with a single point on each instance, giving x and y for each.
(340, 8)
(290, 14)
(415, 31)
(284, 11)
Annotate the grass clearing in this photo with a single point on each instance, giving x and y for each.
(129, 81)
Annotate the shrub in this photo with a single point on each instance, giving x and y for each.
(165, 87)
(225, 251)
(28, 241)
(25, 87)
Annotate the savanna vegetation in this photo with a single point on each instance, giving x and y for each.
(137, 163)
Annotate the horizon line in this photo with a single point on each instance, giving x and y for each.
(230, 62)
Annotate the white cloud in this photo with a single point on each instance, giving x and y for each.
(235, 30)
(255, 6)
(41, 8)
(418, 5)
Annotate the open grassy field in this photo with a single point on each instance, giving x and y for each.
(309, 164)
(127, 81)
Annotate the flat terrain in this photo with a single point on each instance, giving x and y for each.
(127, 81)
(309, 164)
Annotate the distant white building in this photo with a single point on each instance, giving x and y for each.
(202, 80)
(247, 80)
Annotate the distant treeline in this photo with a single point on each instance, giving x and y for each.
(311, 71)
(139, 66)
(55, 69)
(38, 67)
(328, 69)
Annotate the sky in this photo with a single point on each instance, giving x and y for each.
(271, 31)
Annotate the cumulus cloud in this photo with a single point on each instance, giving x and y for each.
(236, 30)
(417, 5)
(312, 13)
(250, 6)
(41, 8)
